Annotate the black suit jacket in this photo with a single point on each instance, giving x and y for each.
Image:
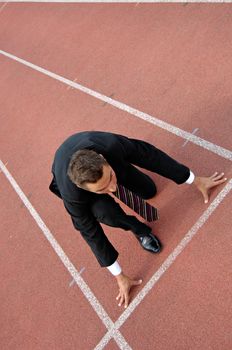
(121, 153)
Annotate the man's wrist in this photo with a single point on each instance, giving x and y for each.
(115, 269)
(197, 180)
(119, 277)
(191, 178)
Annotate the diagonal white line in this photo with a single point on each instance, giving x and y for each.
(113, 329)
(167, 263)
(155, 121)
(120, 1)
(98, 308)
(3, 6)
(193, 133)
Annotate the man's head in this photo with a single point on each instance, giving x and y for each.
(90, 171)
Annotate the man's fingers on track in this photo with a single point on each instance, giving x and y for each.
(126, 300)
(121, 300)
(217, 176)
(220, 177)
(218, 182)
(214, 174)
(136, 283)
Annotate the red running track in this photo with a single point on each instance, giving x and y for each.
(169, 60)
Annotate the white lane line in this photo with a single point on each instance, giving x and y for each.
(5, 165)
(120, 1)
(155, 121)
(167, 263)
(3, 6)
(73, 281)
(192, 133)
(98, 308)
(181, 133)
(82, 270)
(70, 87)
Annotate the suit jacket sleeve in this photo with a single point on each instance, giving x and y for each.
(92, 232)
(147, 156)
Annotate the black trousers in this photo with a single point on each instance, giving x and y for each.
(107, 211)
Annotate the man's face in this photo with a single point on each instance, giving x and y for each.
(107, 183)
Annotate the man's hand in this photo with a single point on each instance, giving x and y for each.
(125, 284)
(204, 184)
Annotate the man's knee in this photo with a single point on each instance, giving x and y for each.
(154, 190)
(151, 192)
(106, 211)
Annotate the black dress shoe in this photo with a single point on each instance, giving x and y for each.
(150, 243)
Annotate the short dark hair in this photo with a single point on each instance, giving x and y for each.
(86, 166)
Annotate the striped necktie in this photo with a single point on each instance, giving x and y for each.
(138, 204)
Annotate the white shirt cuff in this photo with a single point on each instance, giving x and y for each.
(191, 178)
(115, 268)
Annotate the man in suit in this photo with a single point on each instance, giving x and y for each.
(86, 170)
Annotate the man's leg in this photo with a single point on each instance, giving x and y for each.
(108, 212)
(140, 183)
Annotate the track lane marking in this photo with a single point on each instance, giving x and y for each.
(225, 153)
(98, 308)
(166, 264)
(113, 332)
(193, 133)
(3, 6)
